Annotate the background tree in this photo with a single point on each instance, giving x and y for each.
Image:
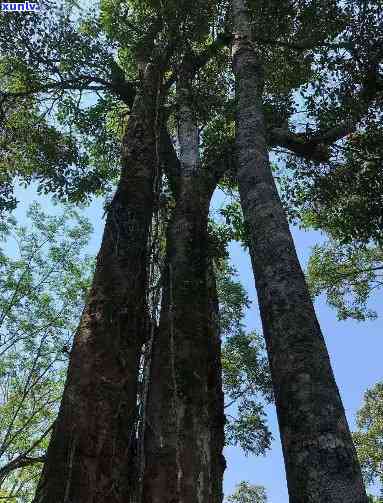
(44, 280)
(248, 493)
(368, 437)
(347, 274)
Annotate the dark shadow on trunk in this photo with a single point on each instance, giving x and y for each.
(184, 431)
(178, 430)
(91, 456)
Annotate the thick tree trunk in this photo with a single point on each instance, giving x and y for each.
(184, 430)
(91, 454)
(320, 458)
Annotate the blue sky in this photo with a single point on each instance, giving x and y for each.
(355, 348)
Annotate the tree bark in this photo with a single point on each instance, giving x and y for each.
(91, 456)
(320, 458)
(215, 390)
(185, 420)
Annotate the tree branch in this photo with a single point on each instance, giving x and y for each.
(197, 61)
(122, 89)
(315, 147)
(23, 459)
(302, 46)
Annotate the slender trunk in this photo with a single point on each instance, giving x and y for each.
(91, 455)
(215, 388)
(184, 431)
(320, 458)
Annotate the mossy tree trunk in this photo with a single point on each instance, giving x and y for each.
(91, 456)
(185, 420)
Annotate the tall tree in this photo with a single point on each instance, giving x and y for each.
(44, 278)
(180, 453)
(90, 456)
(157, 64)
(320, 457)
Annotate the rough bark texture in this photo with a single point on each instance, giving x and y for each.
(215, 389)
(320, 458)
(91, 454)
(184, 431)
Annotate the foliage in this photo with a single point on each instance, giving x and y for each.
(67, 82)
(248, 493)
(374, 499)
(347, 274)
(368, 438)
(232, 213)
(246, 378)
(340, 192)
(42, 289)
(71, 68)
(57, 83)
(44, 279)
(344, 196)
(7, 199)
(232, 297)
